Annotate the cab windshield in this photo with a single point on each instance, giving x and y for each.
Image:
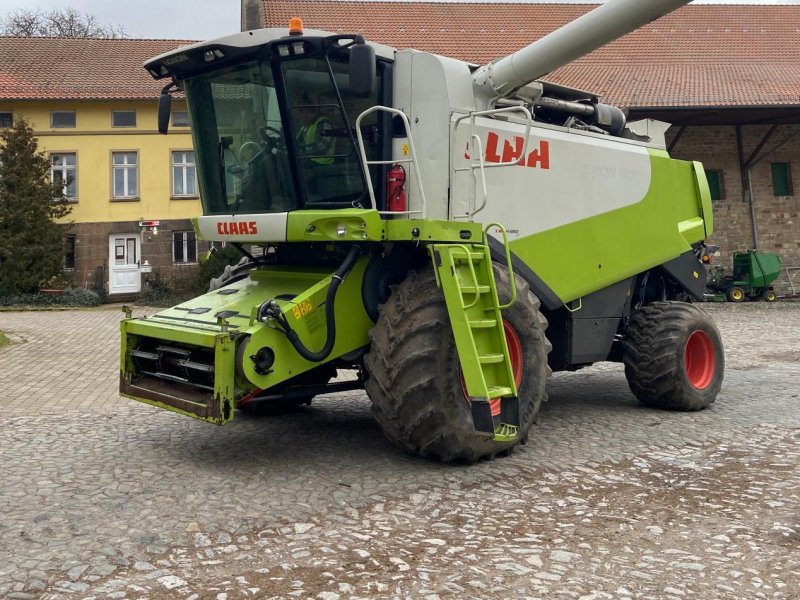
(275, 137)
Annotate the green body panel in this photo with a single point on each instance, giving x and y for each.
(588, 255)
(704, 193)
(305, 313)
(191, 333)
(216, 407)
(365, 225)
(354, 225)
(432, 230)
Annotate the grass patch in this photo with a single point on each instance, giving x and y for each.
(3, 340)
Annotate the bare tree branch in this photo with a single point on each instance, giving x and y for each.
(67, 22)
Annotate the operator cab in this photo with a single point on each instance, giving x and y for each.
(274, 119)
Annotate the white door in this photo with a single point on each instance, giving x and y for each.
(123, 260)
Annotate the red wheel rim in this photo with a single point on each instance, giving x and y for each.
(699, 359)
(514, 355)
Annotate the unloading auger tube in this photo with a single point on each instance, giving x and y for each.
(586, 34)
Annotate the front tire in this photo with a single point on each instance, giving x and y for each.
(415, 378)
(769, 296)
(673, 356)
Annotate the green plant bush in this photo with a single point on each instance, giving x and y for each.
(156, 293)
(80, 297)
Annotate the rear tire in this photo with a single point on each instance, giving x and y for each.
(735, 294)
(414, 377)
(673, 356)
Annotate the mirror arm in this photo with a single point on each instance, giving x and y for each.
(165, 106)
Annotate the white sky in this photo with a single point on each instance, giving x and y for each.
(197, 19)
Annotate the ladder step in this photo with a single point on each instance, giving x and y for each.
(471, 289)
(473, 256)
(487, 359)
(498, 391)
(483, 323)
(505, 433)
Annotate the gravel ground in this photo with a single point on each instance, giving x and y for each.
(107, 498)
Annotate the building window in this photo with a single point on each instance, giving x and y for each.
(781, 179)
(180, 118)
(184, 247)
(64, 173)
(6, 119)
(125, 176)
(69, 252)
(123, 118)
(62, 118)
(184, 175)
(716, 183)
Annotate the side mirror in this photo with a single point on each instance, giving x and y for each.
(362, 70)
(164, 111)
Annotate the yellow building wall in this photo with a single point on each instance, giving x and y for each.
(93, 139)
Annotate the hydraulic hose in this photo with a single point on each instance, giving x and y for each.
(272, 309)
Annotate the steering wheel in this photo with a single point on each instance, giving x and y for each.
(273, 137)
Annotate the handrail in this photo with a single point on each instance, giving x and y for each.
(472, 272)
(412, 159)
(509, 266)
(480, 162)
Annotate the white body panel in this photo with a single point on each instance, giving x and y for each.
(270, 227)
(426, 87)
(585, 174)
(566, 177)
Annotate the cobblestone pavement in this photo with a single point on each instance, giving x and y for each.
(106, 498)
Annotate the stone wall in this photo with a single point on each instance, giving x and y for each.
(777, 219)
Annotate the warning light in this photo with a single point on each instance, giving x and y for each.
(295, 26)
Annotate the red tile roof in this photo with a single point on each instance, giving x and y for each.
(78, 69)
(700, 55)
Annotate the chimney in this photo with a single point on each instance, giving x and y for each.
(251, 15)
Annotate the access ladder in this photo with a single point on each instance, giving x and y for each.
(465, 275)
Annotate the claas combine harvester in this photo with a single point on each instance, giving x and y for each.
(453, 233)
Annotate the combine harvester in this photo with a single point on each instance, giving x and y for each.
(453, 233)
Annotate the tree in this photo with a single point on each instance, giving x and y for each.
(67, 22)
(31, 241)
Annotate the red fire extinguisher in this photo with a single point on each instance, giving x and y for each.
(395, 188)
